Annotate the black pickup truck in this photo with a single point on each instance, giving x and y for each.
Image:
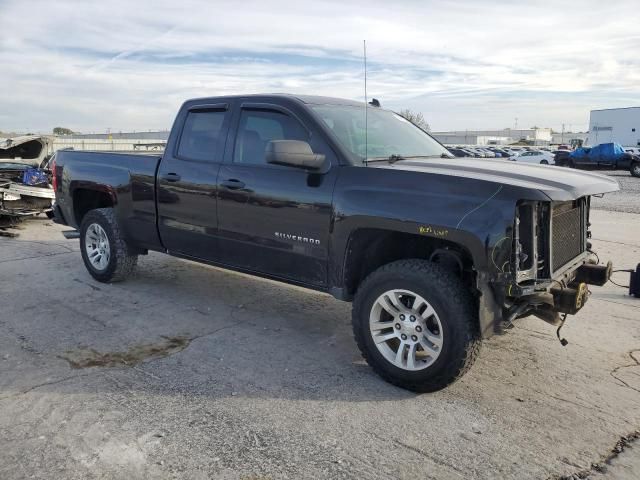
(435, 252)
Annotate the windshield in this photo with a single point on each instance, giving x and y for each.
(388, 134)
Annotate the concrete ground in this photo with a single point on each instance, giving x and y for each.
(187, 371)
(627, 199)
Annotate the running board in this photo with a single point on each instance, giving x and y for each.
(71, 234)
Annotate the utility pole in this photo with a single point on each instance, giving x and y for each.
(562, 135)
(516, 124)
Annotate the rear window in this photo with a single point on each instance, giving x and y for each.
(200, 135)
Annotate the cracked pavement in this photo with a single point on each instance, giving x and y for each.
(271, 384)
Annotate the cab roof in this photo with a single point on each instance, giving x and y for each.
(306, 99)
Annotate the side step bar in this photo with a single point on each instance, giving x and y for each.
(71, 234)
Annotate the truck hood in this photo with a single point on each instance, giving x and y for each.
(558, 183)
(25, 150)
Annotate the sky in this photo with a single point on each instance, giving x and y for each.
(128, 65)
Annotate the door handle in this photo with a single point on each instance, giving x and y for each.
(170, 177)
(233, 184)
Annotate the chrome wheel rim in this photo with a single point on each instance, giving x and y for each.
(406, 330)
(96, 245)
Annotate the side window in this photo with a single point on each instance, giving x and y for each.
(200, 135)
(257, 128)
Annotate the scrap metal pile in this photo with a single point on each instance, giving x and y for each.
(25, 181)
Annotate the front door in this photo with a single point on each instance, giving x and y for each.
(274, 219)
(187, 182)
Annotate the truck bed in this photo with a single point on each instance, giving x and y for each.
(128, 177)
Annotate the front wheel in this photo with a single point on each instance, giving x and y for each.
(104, 250)
(544, 162)
(635, 169)
(416, 325)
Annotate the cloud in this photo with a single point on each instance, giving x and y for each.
(128, 65)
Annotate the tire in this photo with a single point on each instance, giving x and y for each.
(544, 162)
(99, 231)
(453, 325)
(50, 215)
(635, 169)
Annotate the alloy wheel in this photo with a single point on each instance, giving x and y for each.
(96, 244)
(406, 329)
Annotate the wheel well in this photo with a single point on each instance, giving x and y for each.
(370, 248)
(85, 200)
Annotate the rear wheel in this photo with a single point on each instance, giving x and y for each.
(416, 325)
(104, 250)
(635, 169)
(544, 162)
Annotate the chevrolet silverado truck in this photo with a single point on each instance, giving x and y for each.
(435, 252)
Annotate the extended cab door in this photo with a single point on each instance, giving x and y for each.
(274, 219)
(187, 180)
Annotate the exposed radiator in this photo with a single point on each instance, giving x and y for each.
(568, 236)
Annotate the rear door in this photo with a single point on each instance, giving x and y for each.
(187, 181)
(274, 219)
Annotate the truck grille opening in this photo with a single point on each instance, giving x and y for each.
(568, 236)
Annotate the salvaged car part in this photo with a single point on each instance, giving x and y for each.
(24, 183)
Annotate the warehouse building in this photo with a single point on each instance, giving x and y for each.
(507, 136)
(619, 125)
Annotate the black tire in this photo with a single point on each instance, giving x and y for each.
(635, 169)
(122, 260)
(544, 162)
(50, 215)
(454, 305)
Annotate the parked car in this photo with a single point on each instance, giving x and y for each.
(435, 253)
(561, 157)
(468, 152)
(609, 156)
(503, 153)
(458, 152)
(488, 153)
(536, 156)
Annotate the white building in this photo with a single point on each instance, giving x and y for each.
(533, 136)
(619, 125)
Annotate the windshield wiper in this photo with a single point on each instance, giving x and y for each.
(393, 158)
(442, 155)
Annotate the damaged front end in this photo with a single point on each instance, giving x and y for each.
(545, 263)
(25, 181)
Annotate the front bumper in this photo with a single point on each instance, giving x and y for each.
(566, 293)
(22, 200)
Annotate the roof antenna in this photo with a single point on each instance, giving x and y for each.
(366, 104)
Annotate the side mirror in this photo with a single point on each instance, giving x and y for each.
(294, 153)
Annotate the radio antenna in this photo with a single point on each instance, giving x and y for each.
(366, 104)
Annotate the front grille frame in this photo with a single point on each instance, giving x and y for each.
(567, 233)
(539, 243)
